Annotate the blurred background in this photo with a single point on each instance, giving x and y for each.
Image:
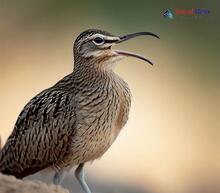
(171, 142)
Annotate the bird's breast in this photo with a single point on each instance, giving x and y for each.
(100, 117)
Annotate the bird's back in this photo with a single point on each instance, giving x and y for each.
(42, 132)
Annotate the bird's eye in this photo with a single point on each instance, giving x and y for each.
(99, 41)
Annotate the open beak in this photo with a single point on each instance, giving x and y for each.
(130, 36)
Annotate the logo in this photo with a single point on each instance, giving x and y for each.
(193, 12)
(168, 14)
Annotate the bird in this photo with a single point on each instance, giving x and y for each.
(76, 120)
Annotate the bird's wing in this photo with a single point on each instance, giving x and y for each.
(41, 134)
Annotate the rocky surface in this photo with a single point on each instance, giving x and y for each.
(9, 184)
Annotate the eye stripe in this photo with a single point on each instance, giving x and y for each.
(108, 40)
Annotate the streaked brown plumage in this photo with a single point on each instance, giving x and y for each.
(77, 119)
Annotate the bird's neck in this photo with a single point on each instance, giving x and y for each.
(88, 77)
(89, 72)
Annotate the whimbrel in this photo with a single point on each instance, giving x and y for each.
(77, 119)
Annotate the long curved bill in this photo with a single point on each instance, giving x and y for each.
(130, 36)
(125, 53)
(133, 35)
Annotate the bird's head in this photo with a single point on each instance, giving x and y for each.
(95, 46)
